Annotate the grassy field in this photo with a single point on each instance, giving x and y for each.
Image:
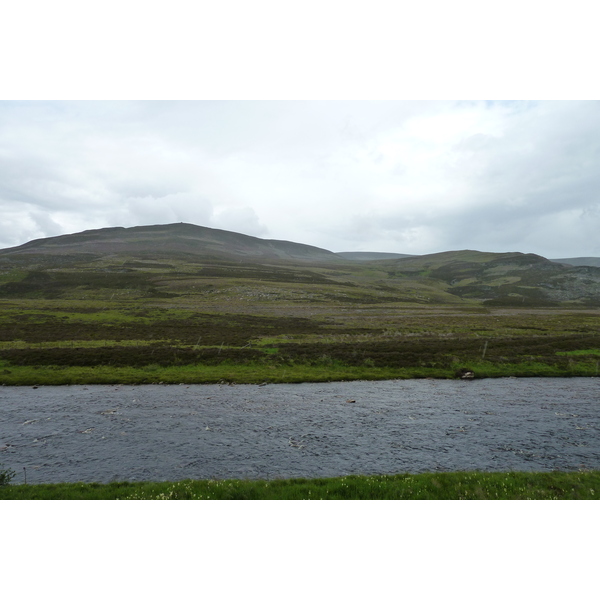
(426, 486)
(145, 315)
(59, 342)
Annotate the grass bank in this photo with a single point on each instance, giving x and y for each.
(426, 486)
(257, 373)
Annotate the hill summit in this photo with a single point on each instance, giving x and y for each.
(176, 239)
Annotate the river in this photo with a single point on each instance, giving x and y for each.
(173, 432)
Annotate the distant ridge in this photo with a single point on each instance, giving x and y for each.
(189, 240)
(588, 261)
(372, 255)
(181, 239)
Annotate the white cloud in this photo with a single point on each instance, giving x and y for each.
(242, 219)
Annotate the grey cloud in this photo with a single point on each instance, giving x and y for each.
(410, 177)
(169, 208)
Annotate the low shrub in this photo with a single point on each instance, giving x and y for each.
(6, 476)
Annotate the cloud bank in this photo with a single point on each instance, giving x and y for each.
(408, 177)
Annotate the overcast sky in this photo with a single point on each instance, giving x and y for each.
(394, 176)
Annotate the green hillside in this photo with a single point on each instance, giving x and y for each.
(181, 260)
(180, 240)
(177, 303)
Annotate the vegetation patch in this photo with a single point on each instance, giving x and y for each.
(591, 352)
(467, 485)
(149, 312)
(128, 357)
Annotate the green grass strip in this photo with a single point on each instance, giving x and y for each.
(255, 373)
(556, 485)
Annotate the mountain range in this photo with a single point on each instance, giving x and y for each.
(185, 260)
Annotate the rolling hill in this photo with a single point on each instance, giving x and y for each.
(581, 261)
(371, 255)
(510, 278)
(180, 240)
(198, 264)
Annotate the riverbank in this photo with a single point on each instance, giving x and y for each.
(257, 373)
(425, 486)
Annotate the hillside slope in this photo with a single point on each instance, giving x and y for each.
(371, 255)
(510, 278)
(177, 239)
(198, 264)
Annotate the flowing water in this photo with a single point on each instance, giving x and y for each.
(172, 432)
